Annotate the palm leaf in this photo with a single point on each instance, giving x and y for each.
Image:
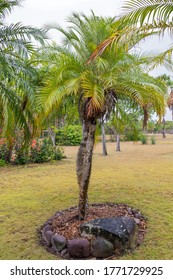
(148, 10)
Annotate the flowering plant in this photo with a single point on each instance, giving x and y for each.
(39, 151)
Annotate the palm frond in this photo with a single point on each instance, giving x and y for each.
(147, 10)
(6, 6)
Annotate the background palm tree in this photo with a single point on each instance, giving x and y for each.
(17, 74)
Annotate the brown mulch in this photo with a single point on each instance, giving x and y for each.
(66, 222)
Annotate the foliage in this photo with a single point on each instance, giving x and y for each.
(17, 73)
(132, 135)
(19, 157)
(70, 135)
(153, 140)
(4, 151)
(2, 162)
(95, 83)
(167, 79)
(148, 10)
(151, 17)
(155, 127)
(41, 150)
(144, 139)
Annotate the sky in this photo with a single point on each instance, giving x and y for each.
(39, 12)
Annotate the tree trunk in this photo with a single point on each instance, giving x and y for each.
(84, 163)
(118, 143)
(145, 120)
(163, 130)
(104, 140)
(52, 136)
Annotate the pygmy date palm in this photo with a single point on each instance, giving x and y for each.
(95, 85)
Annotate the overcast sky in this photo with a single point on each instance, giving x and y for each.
(40, 12)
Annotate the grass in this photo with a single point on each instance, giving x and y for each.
(140, 176)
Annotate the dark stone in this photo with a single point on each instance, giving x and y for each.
(59, 242)
(121, 231)
(102, 248)
(47, 235)
(64, 254)
(46, 228)
(49, 221)
(79, 248)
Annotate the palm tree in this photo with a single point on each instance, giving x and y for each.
(16, 72)
(96, 85)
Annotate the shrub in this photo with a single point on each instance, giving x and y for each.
(4, 151)
(70, 135)
(2, 162)
(131, 135)
(144, 139)
(19, 157)
(42, 150)
(153, 140)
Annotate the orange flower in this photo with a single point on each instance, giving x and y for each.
(34, 143)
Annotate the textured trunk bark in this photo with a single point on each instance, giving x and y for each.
(52, 136)
(118, 143)
(84, 164)
(163, 130)
(145, 120)
(104, 140)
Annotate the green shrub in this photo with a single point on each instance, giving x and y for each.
(131, 135)
(4, 151)
(42, 150)
(19, 157)
(2, 162)
(153, 140)
(70, 135)
(144, 139)
(14, 156)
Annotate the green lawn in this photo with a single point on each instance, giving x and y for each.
(140, 176)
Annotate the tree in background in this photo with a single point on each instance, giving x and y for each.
(16, 75)
(169, 83)
(124, 118)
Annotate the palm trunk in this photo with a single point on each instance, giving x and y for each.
(52, 136)
(104, 140)
(84, 163)
(145, 120)
(118, 143)
(163, 130)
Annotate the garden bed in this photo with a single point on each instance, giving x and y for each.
(66, 224)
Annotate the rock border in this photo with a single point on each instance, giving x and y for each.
(83, 247)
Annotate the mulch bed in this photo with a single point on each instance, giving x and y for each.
(66, 222)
